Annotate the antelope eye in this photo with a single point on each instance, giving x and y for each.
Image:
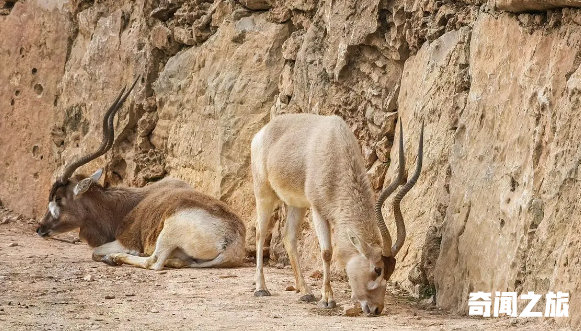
(58, 199)
(378, 271)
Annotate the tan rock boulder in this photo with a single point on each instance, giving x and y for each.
(32, 65)
(256, 4)
(99, 65)
(431, 82)
(500, 179)
(518, 6)
(515, 179)
(212, 99)
(162, 37)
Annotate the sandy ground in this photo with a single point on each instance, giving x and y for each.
(54, 285)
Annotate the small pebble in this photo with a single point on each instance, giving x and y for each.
(109, 297)
(13, 244)
(153, 310)
(88, 278)
(317, 274)
(352, 312)
(289, 288)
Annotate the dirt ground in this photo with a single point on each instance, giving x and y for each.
(54, 285)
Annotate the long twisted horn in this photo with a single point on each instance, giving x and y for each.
(401, 233)
(386, 193)
(106, 143)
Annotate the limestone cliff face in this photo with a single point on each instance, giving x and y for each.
(33, 54)
(498, 89)
(502, 156)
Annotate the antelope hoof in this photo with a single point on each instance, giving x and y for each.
(308, 298)
(262, 293)
(110, 260)
(327, 304)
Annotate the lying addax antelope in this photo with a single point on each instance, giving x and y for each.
(166, 223)
(312, 161)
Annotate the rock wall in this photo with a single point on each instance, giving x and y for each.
(497, 86)
(502, 151)
(33, 54)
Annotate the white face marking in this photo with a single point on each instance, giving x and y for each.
(363, 304)
(372, 285)
(54, 209)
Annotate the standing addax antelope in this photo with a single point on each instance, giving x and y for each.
(166, 223)
(312, 161)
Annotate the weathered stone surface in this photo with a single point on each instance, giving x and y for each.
(165, 10)
(382, 149)
(146, 124)
(285, 85)
(531, 5)
(291, 46)
(163, 39)
(500, 177)
(441, 66)
(369, 155)
(369, 84)
(214, 105)
(256, 4)
(29, 59)
(109, 51)
(280, 14)
(377, 174)
(527, 170)
(149, 166)
(184, 36)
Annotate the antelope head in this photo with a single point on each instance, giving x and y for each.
(65, 211)
(370, 270)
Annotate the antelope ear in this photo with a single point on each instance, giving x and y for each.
(96, 175)
(86, 183)
(361, 246)
(82, 186)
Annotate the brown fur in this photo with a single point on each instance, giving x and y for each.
(147, 218)
(98, 212)
(133, 216)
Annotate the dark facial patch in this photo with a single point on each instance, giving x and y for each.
(58, 184)
(389, 263)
